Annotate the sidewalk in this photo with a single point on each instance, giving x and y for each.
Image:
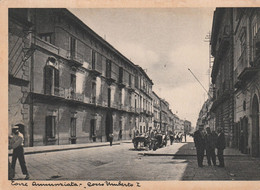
(54, 148)
(186, 149)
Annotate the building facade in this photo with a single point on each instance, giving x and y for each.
(246, 22)
(235, 46)
(74, 87)
(68, 85)
(222, 72)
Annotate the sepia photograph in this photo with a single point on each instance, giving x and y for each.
(120, 96)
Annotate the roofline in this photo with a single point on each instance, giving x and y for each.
(94, 34)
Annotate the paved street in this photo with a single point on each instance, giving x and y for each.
(122, 162)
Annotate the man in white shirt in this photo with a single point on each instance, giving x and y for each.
(18, 152)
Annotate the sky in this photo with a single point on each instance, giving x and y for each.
(165, 42)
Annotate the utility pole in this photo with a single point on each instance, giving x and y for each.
(200, 83)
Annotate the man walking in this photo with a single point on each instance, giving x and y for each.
(221, 145)
(18, 151)
(199, 141)
(210, 145)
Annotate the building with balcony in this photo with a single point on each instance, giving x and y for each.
(164, 115)
(145, 98)
(156, 111)
(68, 85)
(246, 22)
(222, 72)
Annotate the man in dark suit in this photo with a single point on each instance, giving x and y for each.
(221, 145)
(210, 145)
(199, 141)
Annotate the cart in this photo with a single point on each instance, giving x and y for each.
(142, 142)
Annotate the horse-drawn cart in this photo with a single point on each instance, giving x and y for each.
(142, 142)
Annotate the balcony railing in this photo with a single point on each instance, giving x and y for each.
(76, 58)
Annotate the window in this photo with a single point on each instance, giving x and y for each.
(51, 81)
(72, 47)
(94, 59)
(136, 81)
(108, 68)
(255, 41)
(46, 37)
(120, 80)
(108, 97)
(130, 100)
(130, 80)
(93, 92)
(92, 128)
(73, 127)
(50, 127)
(73, 84)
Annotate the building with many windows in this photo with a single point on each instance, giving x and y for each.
(68, 85)
(235, 45)
(222, 72)
(246, 22)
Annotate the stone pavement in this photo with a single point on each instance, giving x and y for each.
(173, 162)
(238, 166)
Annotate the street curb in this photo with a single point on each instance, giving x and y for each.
(64, 149)
(180, 155)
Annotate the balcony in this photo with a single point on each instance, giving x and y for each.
(121, 84)
(76, 59)
(130, 89)
(110, 80)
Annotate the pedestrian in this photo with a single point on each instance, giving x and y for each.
(241, 142)
(221, 145)
(17, 141)
(185, 137)
(210, 145)
(120, 135)
(199, 141)
(111, 136)
(171, 137)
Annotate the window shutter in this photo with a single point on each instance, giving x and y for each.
(47, 80)
(48, 127)
(56, 81)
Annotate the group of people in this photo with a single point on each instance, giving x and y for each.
(209, 141)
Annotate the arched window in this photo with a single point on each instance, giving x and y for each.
(51, 77)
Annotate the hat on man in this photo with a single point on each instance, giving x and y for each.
(15, 128)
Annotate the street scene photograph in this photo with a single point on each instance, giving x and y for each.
(133, 94)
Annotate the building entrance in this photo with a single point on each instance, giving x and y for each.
(109, 125)
(255, 127)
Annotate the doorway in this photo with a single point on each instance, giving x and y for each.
(255, 127)
(109, 124)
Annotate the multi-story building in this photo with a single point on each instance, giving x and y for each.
(156, 111)
(170, 120)
(222, 72)
(246, 22)
(20, 52)
(164, 115)
(146, 101)
(68, 85)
